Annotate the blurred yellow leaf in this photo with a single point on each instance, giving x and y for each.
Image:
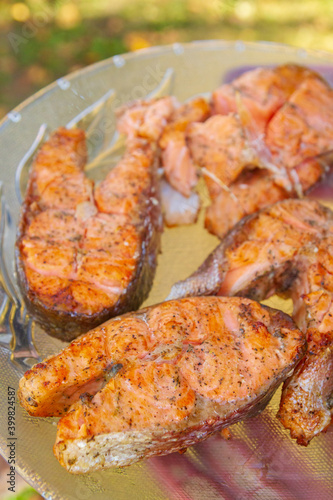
(245, 10)
(134, 41)
(20, 12)
(68, 16)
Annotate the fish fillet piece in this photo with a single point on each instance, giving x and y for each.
(86, 254)
(249, 193)
(302, 128)
(284, 116)
(307, 399)
(57, 180)
(179, 168)
(287, 249)
(273, 119)
(145, 119)
(245, 196)
(161, 379)
(262, 91)
(164, 122)
(178, 209)
(219, 145)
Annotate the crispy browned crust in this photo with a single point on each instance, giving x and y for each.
(306, 400)
(306, 403)
(124, 448)
(208, 278)
(67, 325)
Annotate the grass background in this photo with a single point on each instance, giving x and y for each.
(42, 40)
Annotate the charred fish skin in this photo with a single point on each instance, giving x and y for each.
(307, 396)
(161, 379)
(207, 279)
(217, 265)
(60, 241)
(284, 249)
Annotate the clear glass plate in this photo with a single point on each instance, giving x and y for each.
(260, 461)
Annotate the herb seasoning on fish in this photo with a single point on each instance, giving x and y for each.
(287, 249)
(180, 371)
(84, 255)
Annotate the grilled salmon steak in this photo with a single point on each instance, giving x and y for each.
(262, 91)
(84, 255)
(271, 131)
(164, 122)
(161, 379)
(286, 249)
(268, 130)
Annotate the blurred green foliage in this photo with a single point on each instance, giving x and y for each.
(45, 39)
(26, 494)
